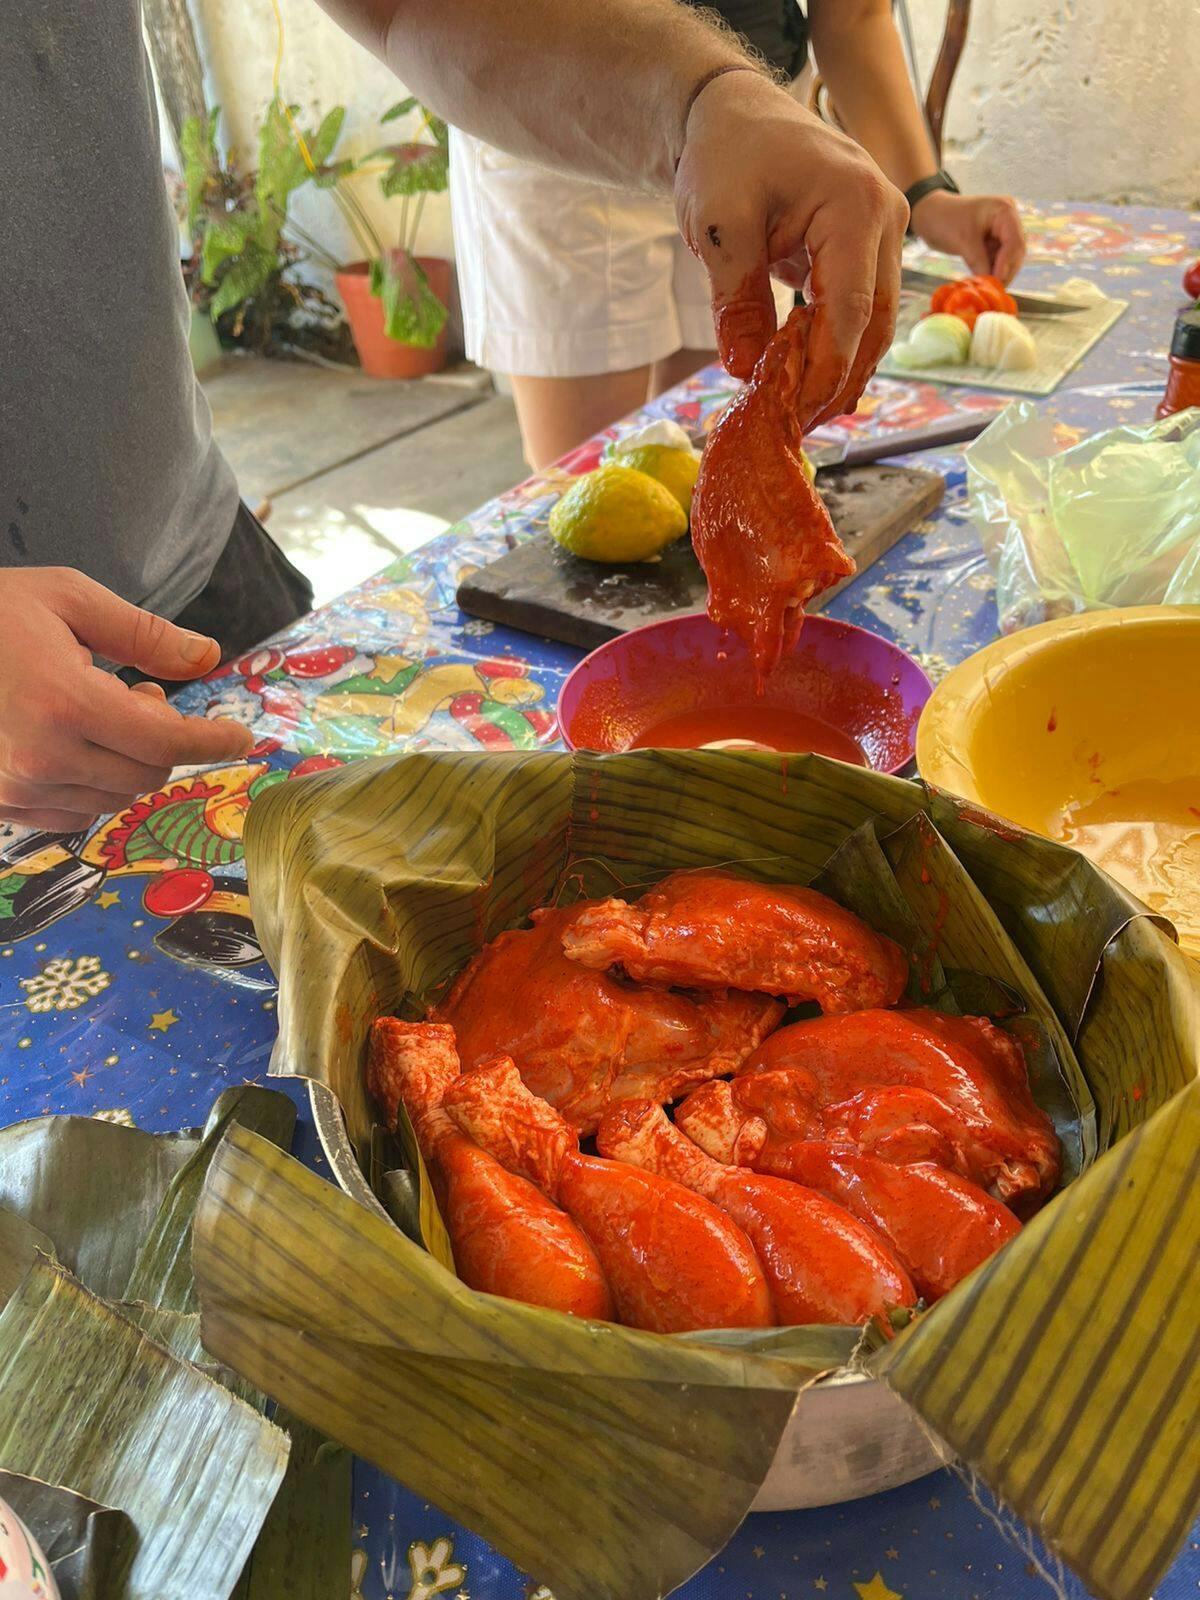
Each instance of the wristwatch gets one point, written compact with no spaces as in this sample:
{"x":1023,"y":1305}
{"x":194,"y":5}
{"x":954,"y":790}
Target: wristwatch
{"x":923,"y":186}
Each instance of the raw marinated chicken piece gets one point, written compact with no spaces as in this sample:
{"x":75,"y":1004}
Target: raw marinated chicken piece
{"x":821,"y":1263}
{"x":582,"y":1039}
{"x":674,"y":1261}
{"x":760,"y":530}
{"x":712,"y":930}
{"x":1000,"y":1137}
{"x":507,"y":1238}
{"x":939,"y":1225}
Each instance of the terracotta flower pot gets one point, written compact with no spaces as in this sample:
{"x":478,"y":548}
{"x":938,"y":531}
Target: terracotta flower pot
{"x":382,"y":357}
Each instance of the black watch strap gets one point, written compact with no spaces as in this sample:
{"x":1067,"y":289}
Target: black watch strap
{"x":923,"y":186}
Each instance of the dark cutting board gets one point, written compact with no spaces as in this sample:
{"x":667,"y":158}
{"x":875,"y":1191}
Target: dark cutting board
{"x":538,"y":588}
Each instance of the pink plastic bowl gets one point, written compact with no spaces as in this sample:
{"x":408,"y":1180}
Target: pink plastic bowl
{"x":843,"y":677}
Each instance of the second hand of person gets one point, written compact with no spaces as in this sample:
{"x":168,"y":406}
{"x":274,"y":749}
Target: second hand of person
{"x":813,"y":208}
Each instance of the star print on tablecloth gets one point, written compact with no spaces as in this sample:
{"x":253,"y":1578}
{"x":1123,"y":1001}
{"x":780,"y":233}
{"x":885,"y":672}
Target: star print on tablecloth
{"x":876,"y":1589}
{"x":110,"y":897}
{"x":161,"y":1021}
{"x":819,"y":1583}
{"x":81,"y":1077}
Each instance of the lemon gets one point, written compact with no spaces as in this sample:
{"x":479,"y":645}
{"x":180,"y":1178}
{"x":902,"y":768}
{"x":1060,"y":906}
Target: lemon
{"x":675,"y":469}
{"x":617,"y":514}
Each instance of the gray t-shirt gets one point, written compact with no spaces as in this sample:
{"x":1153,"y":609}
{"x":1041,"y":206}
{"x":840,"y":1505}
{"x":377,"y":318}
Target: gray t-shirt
{"x":107,"y":461}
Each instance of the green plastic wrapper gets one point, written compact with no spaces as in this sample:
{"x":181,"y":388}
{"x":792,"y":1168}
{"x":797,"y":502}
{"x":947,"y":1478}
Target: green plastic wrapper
{"x":1112,"y":520}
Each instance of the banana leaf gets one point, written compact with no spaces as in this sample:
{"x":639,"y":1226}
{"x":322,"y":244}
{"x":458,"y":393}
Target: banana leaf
{"x":117,"y":1201}
{"x":162,"y":1273}
{"x":510,"y":1420}
{"x":303,"y":1551}
{"x":371,"y":887}
{"x":118,"y":1205}
{"x":87,"y":1400}
{"x":20,"y":1244}
{"x":88,"y":1545}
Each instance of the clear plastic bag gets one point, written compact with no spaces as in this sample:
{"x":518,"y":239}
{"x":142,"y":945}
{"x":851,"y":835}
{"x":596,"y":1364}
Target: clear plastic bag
{"x":1113,"y":520}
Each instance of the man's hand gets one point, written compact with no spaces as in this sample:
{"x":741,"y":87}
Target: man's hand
{"x":74,"y":740}
{"x":984,"y":229}
{"x":764,"y":183}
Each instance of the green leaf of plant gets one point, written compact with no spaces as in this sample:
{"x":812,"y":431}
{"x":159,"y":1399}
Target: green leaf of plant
{"x":415,"y":169}
{"x":198,"y":147}
{"x":223,"y":238}
{"x":321,"y":143}
{"x":281,"y":170}
{"x":86,"y":1397}
{"x":244,"y":278}
{"x":438,"y":129}
{"x":332,"y":172}
{"x":400,"y":109}
{"x":412,"y":313}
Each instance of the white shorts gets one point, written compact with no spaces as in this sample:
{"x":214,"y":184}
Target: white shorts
{"x":561,"y":278}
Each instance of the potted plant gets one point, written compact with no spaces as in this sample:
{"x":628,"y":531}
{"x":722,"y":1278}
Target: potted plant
{"x":396,"y":300}
{"x":242,"y":275}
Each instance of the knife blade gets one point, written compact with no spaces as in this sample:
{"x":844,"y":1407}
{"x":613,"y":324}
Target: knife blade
{"x":1032,"y":305}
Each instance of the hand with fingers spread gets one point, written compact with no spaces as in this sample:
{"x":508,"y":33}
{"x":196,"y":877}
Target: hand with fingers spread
{"x":984,"y":229}
{"x":763,"y":187}
{"x":75,"y":741}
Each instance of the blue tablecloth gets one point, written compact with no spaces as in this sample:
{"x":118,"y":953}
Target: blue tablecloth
{"x":133,"y":988}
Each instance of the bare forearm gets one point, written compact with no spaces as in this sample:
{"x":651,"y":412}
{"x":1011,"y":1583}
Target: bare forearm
{"x":601,"y":90}
{"x":859,"y":56}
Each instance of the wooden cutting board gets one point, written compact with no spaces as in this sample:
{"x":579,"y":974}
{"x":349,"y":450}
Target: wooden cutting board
{"x":540,"y":589}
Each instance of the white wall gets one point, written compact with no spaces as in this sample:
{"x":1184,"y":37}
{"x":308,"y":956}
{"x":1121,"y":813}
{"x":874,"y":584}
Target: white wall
{"x":1054,"y":99}
{"x":322,"y":67}
{"x":1073,"y":99}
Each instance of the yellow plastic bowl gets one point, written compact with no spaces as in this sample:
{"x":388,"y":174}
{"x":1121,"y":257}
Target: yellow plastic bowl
{"x":1087,"y":730}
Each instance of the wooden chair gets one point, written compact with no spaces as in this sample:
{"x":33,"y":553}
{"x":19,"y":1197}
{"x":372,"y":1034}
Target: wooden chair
{"x":954,"y":38}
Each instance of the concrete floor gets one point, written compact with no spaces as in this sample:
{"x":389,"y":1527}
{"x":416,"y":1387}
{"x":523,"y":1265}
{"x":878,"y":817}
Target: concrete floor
{"x":357,"y":470}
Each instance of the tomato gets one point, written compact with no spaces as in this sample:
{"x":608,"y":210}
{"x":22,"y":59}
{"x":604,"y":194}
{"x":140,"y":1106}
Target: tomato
{"x":995,"y":293}
{"x":967,"y":297}
{"x":1191,"y":281}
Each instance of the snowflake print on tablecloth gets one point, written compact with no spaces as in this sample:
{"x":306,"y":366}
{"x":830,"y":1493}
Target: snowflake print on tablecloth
{"x":118,"y":1114}
{"x":477,"y":628}
{"x":434,"y":1570}
{"x":64,"y":985}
